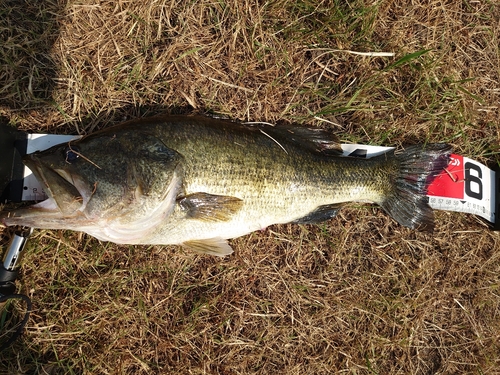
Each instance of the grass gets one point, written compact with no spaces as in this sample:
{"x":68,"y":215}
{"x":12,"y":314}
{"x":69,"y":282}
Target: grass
{"x":358,"y":294}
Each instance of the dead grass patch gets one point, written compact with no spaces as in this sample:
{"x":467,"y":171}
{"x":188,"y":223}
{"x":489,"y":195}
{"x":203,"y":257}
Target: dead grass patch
{"x":358,"y":294}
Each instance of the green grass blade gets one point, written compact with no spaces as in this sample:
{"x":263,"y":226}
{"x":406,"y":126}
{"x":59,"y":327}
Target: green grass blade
{"x":407,"y":58}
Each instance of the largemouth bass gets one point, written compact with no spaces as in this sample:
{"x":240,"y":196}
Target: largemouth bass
{"x":196,"y":181}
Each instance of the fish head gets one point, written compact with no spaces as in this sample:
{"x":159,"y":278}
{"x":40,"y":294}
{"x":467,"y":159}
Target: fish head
{"x":115,"y":179}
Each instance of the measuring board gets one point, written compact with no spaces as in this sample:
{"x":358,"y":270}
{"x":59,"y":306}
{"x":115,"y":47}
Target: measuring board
{"x":464,"y":186}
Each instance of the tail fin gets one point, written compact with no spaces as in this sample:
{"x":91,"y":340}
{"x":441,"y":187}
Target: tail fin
{"x":418,"y":166}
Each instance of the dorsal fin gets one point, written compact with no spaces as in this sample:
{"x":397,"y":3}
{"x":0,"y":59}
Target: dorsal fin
{"x":313,"y":139}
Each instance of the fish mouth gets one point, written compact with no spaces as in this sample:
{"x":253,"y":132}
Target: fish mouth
{"x":63,"y":195}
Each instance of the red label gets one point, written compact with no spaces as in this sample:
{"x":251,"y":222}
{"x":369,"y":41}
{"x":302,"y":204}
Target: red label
{"x":450,"y":182}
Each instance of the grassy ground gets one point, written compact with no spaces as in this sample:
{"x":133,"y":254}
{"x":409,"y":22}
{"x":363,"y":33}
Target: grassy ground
{"x":358,"y":294}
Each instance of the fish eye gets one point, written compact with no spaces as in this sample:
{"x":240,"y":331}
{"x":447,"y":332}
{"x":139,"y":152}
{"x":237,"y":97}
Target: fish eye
{"x":71,"y":153}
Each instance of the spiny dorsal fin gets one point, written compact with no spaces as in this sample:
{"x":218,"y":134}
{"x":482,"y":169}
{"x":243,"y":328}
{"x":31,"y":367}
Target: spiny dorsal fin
{"x":209,"y":207}
{"x":212,"y":246}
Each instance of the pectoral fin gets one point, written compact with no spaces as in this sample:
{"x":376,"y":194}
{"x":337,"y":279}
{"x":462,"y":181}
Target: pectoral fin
{"x":209,"y":207}
{"x":212,"y":246}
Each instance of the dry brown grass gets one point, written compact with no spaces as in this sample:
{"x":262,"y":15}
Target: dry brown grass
{"x":358,"y":294}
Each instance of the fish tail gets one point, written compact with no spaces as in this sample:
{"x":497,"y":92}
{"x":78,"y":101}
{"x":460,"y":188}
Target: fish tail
{"x":418,"y":166}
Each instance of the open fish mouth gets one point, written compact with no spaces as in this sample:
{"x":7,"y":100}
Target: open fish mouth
{"x":65,"y":195}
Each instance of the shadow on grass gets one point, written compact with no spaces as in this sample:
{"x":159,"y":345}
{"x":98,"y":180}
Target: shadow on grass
{"x":28,"y":30}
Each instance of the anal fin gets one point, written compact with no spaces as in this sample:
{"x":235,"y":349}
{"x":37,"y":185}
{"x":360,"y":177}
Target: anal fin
{"x":213,"y":246}
{"x":320,"y":214}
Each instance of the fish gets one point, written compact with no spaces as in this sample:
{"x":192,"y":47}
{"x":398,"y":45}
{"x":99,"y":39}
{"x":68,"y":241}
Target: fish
{"x":198,"y":181}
